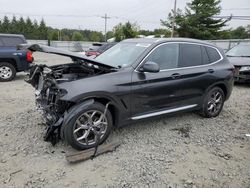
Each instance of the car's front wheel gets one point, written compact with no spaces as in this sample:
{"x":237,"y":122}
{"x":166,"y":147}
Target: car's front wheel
{"x":89,"y":127}
{"x":213,"y":102}
{"x":7,"y":72}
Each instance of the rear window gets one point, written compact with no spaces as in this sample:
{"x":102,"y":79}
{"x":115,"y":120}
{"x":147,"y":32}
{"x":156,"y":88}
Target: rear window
{"x":12,"y":41}
{"x":213,"y":54}
{"x":190,"y":55}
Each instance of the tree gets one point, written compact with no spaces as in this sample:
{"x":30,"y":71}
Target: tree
{"x":130,"y":30}
{"x":125,"y":31}
{"x":21,"y":26}
{"x":53,"y":34}
{"x":77,"y":36}
{"x":43,"y":30}
{"x":28,"y":28}
{"x":13,"y":25}
{"x":95,"y":37}
{"x":199,"y":20}
{"x":110,"y":34}
{"x":118,"y":32}
{"x":5,"y":25}
{"x":239,"y":33}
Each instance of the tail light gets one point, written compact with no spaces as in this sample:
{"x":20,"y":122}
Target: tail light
{"x":91,"y":53}
{"x":29,"y":56}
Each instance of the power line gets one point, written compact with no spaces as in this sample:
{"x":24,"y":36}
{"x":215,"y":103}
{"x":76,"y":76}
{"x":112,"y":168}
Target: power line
{"x":235,"y":9}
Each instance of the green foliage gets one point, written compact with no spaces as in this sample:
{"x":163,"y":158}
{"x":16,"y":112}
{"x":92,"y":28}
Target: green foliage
{"x":240,"y":33}
{"x":198,"y":20}
{"x":40,"y":31}
{"x":77,"y":36}
{"x":30,"y":29}
{"x":96,"y":36}
{"x":124,"y":31}
{"x":156,"y":32}
{"x":53,"y":34}
{"x":110,"y":34}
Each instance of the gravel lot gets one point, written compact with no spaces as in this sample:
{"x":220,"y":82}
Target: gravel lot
{"x":185,"y":150}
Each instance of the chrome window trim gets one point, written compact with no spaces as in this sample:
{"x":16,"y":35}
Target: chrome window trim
{"x":198,"y":66}
{"x":164,"y":112}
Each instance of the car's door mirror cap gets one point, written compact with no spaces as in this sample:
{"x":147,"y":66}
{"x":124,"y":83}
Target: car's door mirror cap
{"x":150,"y":66}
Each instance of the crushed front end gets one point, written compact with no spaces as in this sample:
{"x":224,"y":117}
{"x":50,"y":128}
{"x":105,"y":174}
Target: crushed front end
{"x":242,"y":74}
{"x":47,"y":95}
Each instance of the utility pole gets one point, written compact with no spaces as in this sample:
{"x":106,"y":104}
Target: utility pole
{"x":173,"y":22}
{"x":105,"y":31}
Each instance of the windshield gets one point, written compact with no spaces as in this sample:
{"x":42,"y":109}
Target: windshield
{"x":122,"y":54}
{"x":239,"y":51}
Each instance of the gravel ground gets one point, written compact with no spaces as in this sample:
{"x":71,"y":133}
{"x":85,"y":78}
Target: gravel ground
{"x":184,"y":150}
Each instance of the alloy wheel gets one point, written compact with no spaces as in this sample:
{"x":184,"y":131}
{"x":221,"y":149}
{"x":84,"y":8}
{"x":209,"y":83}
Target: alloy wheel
{"x":215,"y":102}
{"x":86,"y":126}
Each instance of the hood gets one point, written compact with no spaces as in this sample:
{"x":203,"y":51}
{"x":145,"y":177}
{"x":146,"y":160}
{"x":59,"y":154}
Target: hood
{"x":239,"y":61}
{"x":72,"y":55}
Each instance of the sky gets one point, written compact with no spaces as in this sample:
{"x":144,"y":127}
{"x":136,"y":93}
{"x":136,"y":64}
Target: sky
{"x":83,"y":14}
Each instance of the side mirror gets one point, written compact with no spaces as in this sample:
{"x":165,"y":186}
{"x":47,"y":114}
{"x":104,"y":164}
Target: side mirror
{"x":150,"y":66}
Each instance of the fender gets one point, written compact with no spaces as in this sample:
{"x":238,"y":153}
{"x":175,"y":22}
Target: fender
{"x":68,"y":115}
{"x":219,"y":83}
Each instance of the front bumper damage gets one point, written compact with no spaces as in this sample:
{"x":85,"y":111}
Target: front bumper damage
{"x":48,"y":103}
{"x":241,"y":75}
{"x":52,"y":119}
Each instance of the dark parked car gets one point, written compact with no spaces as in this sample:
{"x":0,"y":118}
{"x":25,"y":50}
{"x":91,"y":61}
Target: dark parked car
{"x":97,"y":51}
{"x":239,"y":56}
{"x":13,"y":60}
{"x":135,"y":79}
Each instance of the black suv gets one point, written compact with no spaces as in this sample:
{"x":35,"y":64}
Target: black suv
{"x":133,"y":80}
{"x":12,"y":59}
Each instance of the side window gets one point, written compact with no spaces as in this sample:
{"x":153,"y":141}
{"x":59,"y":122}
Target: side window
{"x":12,"y":41}
{"x":190,"y":55}
{"x":213,"y":54}
{"x":166,"y":56}
{"x":1,"y":43}
{"x":205,"y":59}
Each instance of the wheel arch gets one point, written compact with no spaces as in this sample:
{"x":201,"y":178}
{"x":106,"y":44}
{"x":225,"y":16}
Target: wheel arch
{"x":112,"y":107}
{"x":9,"y":60}
{"x":220,"y":85}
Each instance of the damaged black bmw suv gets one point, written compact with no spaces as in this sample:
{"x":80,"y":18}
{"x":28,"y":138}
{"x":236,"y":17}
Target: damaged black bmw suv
{"x":133,"y":80}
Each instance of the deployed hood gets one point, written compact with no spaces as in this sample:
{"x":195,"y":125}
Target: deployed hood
{"x":72,"y":55}
{"x":239,"y":61}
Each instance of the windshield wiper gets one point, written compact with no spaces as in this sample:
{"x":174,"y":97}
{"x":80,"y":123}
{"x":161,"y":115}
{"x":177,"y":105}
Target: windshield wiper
{"x":238,"y":55}
{"x":245,"y":56}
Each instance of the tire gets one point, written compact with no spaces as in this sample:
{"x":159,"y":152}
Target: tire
{"x":80,"y":126}
{"x":7,"y":72}
{"x":213,"y":103}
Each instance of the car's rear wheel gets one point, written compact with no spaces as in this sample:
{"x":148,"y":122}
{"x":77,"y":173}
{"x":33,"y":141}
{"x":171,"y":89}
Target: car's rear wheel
{"x":85,"y":127}
{"x":7,"y":72}
{"x":213,"y":102}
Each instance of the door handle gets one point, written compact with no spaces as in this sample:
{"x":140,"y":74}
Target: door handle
{"x":210,"y":70}
{"x":175,"y":75}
